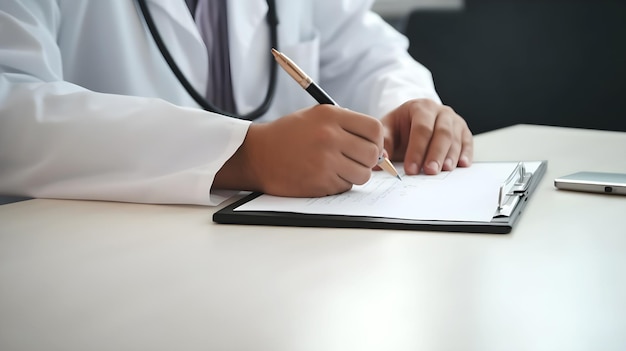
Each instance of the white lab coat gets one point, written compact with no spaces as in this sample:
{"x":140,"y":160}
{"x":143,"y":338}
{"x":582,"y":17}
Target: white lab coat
{"x":90,"y":110}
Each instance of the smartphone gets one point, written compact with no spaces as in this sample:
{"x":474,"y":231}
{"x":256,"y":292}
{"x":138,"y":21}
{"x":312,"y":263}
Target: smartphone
{"x":596,"y":182}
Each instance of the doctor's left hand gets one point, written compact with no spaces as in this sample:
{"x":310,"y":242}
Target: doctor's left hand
{"x":427,"y":136}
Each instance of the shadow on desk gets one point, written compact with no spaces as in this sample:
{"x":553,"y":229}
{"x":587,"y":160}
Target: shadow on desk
{"x":503,"y":62}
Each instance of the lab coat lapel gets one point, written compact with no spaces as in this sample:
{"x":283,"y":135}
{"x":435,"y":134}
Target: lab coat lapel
{"x":249,"y":52}
{"x":249,"y":47}
{"x":182,"y":38}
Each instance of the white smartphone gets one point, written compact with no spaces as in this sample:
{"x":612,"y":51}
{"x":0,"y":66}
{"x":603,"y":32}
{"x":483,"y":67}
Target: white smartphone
{"x":596,"y":182}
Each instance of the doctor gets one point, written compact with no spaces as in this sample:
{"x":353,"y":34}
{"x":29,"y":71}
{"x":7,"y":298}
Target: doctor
{"x":89,"y":108}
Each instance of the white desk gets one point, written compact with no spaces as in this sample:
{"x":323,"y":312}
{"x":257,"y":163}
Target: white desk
{"x":108,"y":276}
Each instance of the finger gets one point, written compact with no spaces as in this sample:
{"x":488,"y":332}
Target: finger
{"x":353,"y":172}
{"x":330,"y":186}
{"x":351,"y":158}
{"x":441,"y":142}
{"x":421,"y":131}
{"x":361,"y":125}
{"x":454,"y":154}
{"x":341,"y":185}
{"x":452,"y":158}
{"x":360,"y":150}
{"x":467,"y":148}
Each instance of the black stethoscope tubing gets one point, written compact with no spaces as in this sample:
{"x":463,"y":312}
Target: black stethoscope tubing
{"x":272,"y":20}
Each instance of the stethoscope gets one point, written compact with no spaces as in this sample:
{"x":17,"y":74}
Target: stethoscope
{"x":272,"y":20}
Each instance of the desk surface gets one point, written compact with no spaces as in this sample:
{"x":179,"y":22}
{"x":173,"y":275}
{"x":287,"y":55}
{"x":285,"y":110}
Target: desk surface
{"x":79,"y":275}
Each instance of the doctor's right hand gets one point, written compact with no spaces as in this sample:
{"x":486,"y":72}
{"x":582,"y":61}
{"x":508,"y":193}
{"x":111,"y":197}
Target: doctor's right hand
{"x":318,"y":151}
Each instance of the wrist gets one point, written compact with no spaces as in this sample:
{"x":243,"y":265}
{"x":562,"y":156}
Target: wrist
{"x":240,"y":171}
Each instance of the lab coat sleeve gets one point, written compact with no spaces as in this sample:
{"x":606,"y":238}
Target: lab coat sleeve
{"x":59,"y":140}
{"x":364,"y":61}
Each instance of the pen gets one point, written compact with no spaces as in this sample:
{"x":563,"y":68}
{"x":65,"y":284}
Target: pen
{"x":320,"y":96}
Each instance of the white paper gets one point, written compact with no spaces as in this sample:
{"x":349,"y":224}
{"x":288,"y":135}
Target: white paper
{"x":465,"y":194}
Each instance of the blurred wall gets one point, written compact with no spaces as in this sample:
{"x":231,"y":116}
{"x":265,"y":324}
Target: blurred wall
{"x":396,"y":11}
{"x":399,"y":8}
{"x":504,"y":62}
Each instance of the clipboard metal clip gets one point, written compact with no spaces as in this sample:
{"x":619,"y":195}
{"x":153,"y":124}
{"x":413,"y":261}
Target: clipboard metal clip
{"x":514,"y":187}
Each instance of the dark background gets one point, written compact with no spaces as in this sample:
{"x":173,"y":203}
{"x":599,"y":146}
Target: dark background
{"x":499,"y":63}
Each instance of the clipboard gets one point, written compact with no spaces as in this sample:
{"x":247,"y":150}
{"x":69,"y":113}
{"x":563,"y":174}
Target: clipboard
{"x":513,"y":195}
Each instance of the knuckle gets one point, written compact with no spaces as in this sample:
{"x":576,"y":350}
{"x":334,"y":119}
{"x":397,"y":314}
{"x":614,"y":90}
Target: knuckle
{"x":445,"y":133}
{"x":324,"y":109}
{"x":448,"y":110}
{"x":374,"y":127}
{"x":325,"y":135}
{"x":377,"y":125}
{"x":423,"y":104}
{"x":423,"y":128}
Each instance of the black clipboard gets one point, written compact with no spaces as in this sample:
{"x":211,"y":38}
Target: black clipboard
{"x":515,"y":193}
